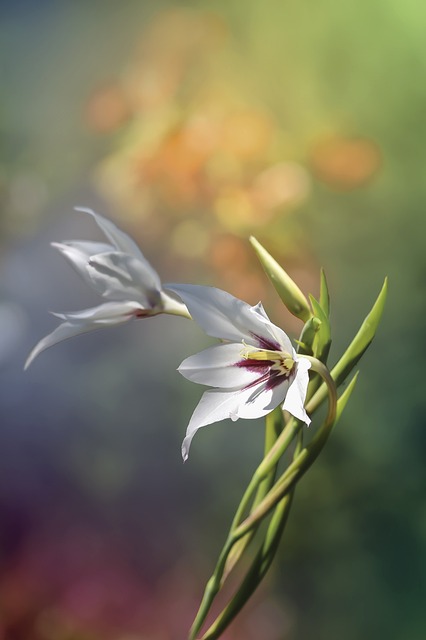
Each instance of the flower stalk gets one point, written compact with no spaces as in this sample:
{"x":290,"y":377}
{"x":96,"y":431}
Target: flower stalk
{"x":301,"y":462}
{"x":253,"y":372}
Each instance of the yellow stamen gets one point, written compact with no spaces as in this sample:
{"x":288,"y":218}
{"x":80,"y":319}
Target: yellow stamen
{"x":284,"y":361}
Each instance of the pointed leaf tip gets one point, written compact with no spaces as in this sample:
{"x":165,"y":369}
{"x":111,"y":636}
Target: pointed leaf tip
{"x":363,"y":338}
{"x":323,"y":336}
{"x":324,"y":298}
{"x":343,"y":400}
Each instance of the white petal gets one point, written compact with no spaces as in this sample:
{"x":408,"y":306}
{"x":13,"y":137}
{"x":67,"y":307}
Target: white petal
{"x":81,"y":249}
{"x":260,"y":309}
{"x":223,"y":316}
{"x":120,"y":240}
{"x":294,"y":401}
{"x":80,"y":322}
{"x":171,"y":303}
{"x":119,"y":276}
{"x":78,"y":254}
{"x":216,"y":405}
{"x":218,"y":367}
{"x":277,"y":334}
{"x":106,"y":313}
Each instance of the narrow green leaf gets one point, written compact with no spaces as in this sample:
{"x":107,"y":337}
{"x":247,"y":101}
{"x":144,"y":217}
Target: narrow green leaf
{"x":286,"y":288}
{"x":355,"y":350}
{"x":343,"y":400}
{"x":323,"y":337}
{"x":362,"y":339}
{"x":324,"y":297}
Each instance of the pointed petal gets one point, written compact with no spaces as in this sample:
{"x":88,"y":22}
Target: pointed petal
{"x":260,"y":309}
{"x":107,"y":313}
{"x":78,"y":254}
{"x":119,"y":239}
{"x":81,"y":248}
{"x":278,"y":334}
{"x":221,"y":366}
{"x":294,"y":401}
{"x":120,"y":276}
{"x":63,"y":332}
{"x":216,"y":405}
{"x":80,"y":322}
{"x":223,"y":316}
{"x":275,"y":332}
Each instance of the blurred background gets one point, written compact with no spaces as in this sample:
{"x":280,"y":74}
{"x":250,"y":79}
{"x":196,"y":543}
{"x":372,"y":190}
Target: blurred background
{"x":194,"y":125}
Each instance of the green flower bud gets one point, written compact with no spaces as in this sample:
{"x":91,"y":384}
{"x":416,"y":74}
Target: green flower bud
{"x":307,"y":337}
{"x":286,"y":288}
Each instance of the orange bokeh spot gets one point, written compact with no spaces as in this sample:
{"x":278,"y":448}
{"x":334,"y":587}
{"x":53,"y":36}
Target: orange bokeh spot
{"x":106,"y":109}
{"x":345,"y":163}
{"x":283,"y":184}
{"x":228,"y":252}
{"x":246,"y":133}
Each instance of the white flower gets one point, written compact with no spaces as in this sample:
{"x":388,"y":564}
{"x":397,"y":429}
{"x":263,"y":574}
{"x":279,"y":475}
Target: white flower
{"x":254,"y":371}
{"x":120,"y":274}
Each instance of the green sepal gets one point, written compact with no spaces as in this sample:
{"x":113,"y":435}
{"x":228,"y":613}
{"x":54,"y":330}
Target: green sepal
{"x":323,"y":336}
{"x":324,"y":297}
{"x":286,"y":288}
{"x":343,"y":400}
{"x":307,"y":337}
{"x":362,"y":339}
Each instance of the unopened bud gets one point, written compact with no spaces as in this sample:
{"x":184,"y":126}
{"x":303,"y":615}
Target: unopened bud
{"x":286,"y":288}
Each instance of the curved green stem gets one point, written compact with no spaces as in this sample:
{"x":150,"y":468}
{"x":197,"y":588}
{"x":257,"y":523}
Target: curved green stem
{"x":273,"y":427}
{"x":215,"y":582}
{"x":294,"y":472}
{"x":302,"y":462}
{"x":260,"y":564}
{"x":257,"y":571}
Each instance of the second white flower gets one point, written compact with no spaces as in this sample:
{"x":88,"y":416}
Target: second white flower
{"x":252,"y":373}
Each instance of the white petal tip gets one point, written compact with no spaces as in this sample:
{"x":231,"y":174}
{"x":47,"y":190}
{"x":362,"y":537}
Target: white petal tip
{"x":60,"y":246}
{"x":185,"y":448}
{"x":85,"y":210}
{"x":34,"y":353}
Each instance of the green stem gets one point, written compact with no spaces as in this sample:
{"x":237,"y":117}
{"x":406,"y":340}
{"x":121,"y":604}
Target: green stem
{"x":289,"y":478}
{"x":257,"y":571}
{"x":260,"y":565}
{"x":216,"y":580}
{"x":273,"y":427}
{"x":302,"y":462}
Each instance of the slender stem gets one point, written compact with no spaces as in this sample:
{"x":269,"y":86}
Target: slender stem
{"x":273,"y":427}
{"x":216,"y":580}
{"x":303,"y":461}
{"x":272,"y":457}
{"x":256,"y":572}
{"x":286,"y":482}
{"x":260,"y":565}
